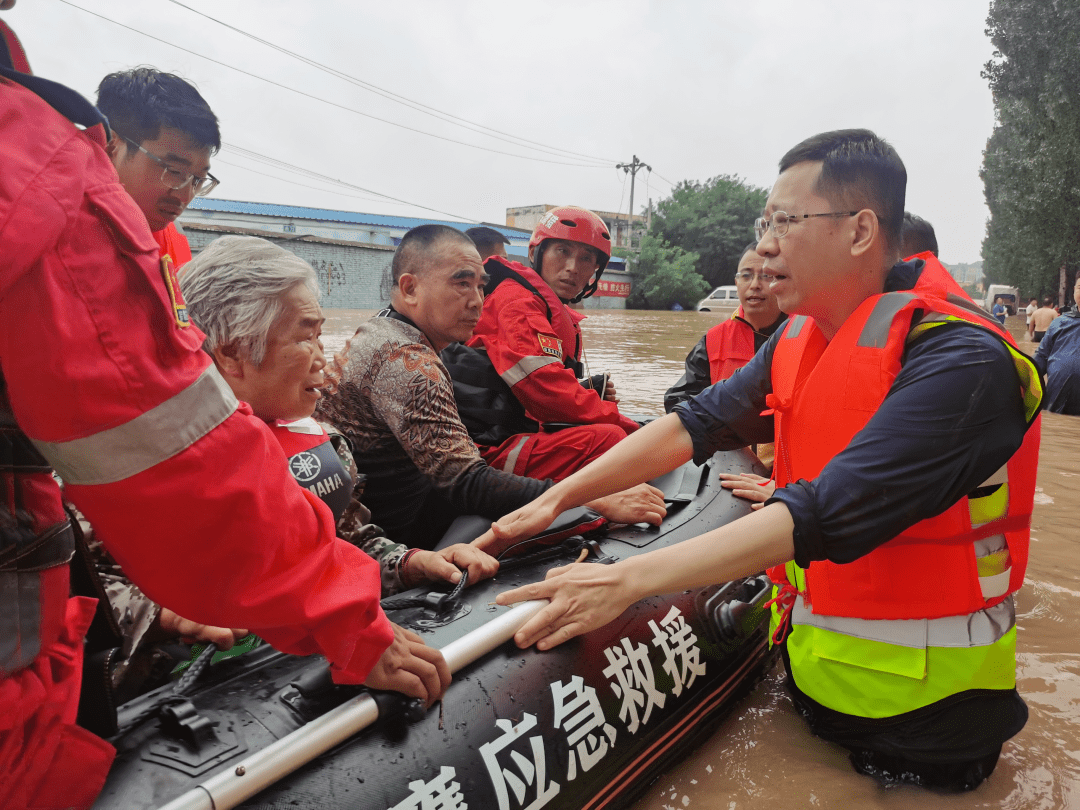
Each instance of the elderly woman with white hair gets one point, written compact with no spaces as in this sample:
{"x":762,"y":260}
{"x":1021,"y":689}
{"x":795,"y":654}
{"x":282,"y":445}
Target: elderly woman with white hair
{"x":258,"y":306}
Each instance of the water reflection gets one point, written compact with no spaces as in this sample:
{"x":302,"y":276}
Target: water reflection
{"x":763,"y":753}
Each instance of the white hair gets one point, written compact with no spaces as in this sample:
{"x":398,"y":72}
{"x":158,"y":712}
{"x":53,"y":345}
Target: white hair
{"x":234,"y":287}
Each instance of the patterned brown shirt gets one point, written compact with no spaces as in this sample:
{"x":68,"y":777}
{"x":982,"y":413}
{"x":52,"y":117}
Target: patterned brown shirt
{"x":395,"y":403}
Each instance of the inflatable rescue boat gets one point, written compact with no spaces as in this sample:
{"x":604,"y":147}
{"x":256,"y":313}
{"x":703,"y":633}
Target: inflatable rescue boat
{"x":589,"y":724}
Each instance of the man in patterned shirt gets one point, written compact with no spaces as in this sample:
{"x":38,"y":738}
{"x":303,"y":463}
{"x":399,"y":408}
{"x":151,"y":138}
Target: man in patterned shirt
{"x":392,"y":397}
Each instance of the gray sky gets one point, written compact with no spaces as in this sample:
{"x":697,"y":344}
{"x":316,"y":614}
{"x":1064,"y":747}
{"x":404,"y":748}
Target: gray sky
{"x":695,"y":89}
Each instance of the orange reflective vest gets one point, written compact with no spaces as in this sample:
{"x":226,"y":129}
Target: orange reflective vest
{"x":940,"y":566}
{"x":730,"y":346}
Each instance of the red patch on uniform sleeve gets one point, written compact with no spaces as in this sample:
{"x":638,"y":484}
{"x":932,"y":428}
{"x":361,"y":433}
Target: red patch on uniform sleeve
{"x":172,"y":285}
{"x":549,"y":344}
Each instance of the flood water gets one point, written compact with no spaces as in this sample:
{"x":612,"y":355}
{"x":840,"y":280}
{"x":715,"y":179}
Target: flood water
{"x":763,"y":755}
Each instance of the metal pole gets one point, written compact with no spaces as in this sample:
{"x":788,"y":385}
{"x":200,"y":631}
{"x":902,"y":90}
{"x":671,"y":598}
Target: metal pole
{"x":242,"y":780}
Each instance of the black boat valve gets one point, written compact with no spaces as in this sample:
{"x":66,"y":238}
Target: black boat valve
{"x":597,"y":552}
{"x":182,"y":722}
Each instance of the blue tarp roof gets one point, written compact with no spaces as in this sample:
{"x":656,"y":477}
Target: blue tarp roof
{"x":325,"y":214}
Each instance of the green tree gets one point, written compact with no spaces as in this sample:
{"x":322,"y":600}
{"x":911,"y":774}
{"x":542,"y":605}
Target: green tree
{"x":664,"y":275}
{"x":714,"y":219}
{"x":1031,"y":167}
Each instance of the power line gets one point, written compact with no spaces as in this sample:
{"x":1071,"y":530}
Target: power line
{"x":332,"y":103}
{"x":663,"y":178}
{"x":292,"y":182}
{"x":426,"y":109}
{"x":290,"y":167}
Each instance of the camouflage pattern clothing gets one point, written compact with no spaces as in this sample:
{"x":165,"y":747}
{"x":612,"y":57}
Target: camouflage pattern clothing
{"x":395,"y":402}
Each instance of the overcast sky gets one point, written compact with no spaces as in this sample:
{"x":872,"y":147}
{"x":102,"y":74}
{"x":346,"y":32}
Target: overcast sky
{"x":695,"y":89}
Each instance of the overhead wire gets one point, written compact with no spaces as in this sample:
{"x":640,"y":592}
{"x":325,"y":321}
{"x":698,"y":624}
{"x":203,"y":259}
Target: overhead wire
{"x":289,"y":167}
{"x":373,"y":88}
{"x":579,"y":165}
{"x":419,"y":106}
{"x":664,"y":179}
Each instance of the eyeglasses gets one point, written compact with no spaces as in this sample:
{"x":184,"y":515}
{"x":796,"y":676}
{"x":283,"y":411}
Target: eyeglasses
{"x":175,"y":178}
{"x":746,"y":277}
{"x":780,"y":220}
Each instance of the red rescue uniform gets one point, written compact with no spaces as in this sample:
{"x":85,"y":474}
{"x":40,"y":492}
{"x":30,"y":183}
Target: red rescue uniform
{"x":531,"y":339}
{"x":183,"y":486}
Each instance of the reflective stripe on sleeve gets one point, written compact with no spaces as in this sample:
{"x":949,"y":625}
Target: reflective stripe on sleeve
{"x":978,"y":629}
{"x":524,"y":367}
{"x":148,"y":439}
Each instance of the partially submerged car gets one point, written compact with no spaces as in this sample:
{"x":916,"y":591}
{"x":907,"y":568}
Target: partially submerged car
{"x":726,"y":297}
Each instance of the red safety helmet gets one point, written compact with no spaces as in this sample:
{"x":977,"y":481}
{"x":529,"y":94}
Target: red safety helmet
{"x":573,"y":224}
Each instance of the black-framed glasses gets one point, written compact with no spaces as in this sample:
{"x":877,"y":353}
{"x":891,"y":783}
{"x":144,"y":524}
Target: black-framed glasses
{"x":781,"y":220}
{"x":177,"y":178}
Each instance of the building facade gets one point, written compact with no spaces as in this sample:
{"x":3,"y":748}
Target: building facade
{"x":350,"y":251}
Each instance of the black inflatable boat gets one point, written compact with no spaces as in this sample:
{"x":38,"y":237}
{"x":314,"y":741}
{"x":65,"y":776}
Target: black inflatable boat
{"x":587,"y":725}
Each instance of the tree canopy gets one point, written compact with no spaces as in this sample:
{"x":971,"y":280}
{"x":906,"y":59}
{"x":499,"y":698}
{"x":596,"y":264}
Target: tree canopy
{"x":714,"y":219}
{"x":1031,"y":167}
{"x":695,"y":241}
{"x":665,"y":275}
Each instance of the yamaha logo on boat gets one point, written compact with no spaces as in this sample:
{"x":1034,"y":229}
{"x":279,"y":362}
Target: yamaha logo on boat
{"x":305,"y":467}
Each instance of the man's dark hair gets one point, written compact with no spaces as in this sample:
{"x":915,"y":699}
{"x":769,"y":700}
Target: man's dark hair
{"x":140,"y":101}
{"x":859,"y":170}
{"x":1048,"y":301}
{"x":415,"y":246}
{"x":918,"y":236}
{"x":484,"y":237}
{"x":751,"y":248}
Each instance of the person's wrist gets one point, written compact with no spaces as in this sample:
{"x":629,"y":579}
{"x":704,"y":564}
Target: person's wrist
{"x":635,"y":573}
{"x":558,"y":499}
{"x":403,"y":568}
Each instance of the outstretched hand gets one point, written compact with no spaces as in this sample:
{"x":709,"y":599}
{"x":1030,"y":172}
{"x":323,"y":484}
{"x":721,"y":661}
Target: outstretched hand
{"x":641,"y":504}
{"x":521,"y":524}
{"x":411,"y":667}
{"x":584,"y":596}
{"x":447,"y":564}
{"x":749,"y":486}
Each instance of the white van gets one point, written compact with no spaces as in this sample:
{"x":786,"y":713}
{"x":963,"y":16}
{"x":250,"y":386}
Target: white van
{"x":726,"y":297}
{"x":1010,"y":297}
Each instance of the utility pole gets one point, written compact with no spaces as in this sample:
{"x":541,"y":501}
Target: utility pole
{"x":632,"y":168}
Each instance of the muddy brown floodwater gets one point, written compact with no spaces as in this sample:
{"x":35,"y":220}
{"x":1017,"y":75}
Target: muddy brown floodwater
{"x":763,"y":755}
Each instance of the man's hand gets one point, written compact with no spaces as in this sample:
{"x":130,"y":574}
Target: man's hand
{"x":411,"y":667}
{"x":521,"y":524}
{"x":641,"y":504}
{"x":749,"y":486}
{"x":191,"y":632}
{"x":610,"y":394}
{"x":584,"y":596}
{"x":446,"y":564}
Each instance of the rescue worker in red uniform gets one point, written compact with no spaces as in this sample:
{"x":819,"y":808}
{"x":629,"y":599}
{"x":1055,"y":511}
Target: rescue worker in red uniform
{"x":163,"y":135}
{"x":899,"y":529}
{"x":550,"y":423}
{"x":103,"y":380}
